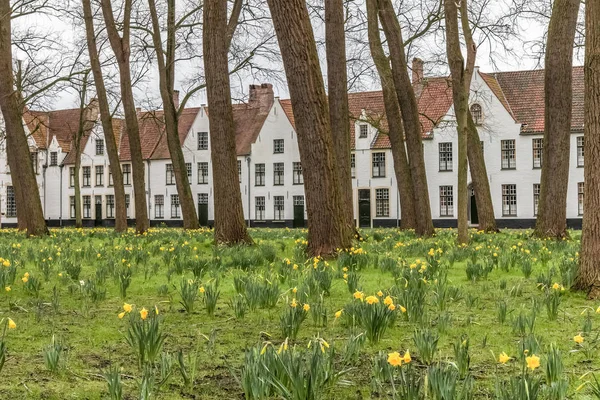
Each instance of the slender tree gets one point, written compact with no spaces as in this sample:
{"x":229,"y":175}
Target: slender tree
{"x":339,"y":114}
{"x":107,"y":121}
{"x":326,"y":225}
{"x":122,"y":48}
{"x":552,"y":208}
{"x":589,"y":269}
{"x":230,"y":227}
{"x":394,"y":120}
{"x":410,"y":116}
{"x":19,"y":159}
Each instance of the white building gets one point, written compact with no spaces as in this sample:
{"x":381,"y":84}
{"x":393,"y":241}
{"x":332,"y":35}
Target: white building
{"x":508,"y":108}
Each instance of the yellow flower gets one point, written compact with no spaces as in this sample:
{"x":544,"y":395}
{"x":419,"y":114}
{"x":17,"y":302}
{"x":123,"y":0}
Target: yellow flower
{"x":60,"y":274}
{"x":293,"y":303}
{"x":372,"y":300}
{"x":6,"y":263}
{"x":391,"y":307}
{"x":358,"y":295}
{"x":556,"y":286}
{"x":11,"y":324}
{"x":406,"y":357}
{"x":533,"y":362}
{"x":295,"y":290}
{"x":144,"y":313}
{"x":598,"y":310}
{"x":394,"y":359}
{"x":338,"y":314}
{"x":380,"y":293}
{"x":156,"y":310}
{"x":201,"y":290}
{"x":121,"y":315}
{"x":26,"y":275}
{"x":388,"y":300}
{"x":345,"y":276}
{"x":578,"y":339}
{"x":127,"y":307}
{"x":503,"y":358}
{"x":7,"y":288}
{"x":403,"y":309}
{"x":306,"y":307}
{"x":24,"y":279}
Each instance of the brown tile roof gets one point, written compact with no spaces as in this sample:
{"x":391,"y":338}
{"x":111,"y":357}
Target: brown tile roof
{"x":248,"y":121}
{"x":524,"y":91}
{"x":37,"y":124}
{"x":117,"y":125}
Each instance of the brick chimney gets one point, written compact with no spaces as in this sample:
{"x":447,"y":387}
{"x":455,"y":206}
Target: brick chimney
{"x":261,"y":96}
{"x":417,"y":70}
{"x":176,"y":99}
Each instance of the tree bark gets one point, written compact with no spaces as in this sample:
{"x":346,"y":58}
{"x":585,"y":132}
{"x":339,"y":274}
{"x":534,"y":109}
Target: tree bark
{"x":589,"y":267}
{"x":121,"y":48}
{"x":339,"y":114}
{"x":107,"y":123}
{"x":230,"y":226}
{"x":326,"y":226}
{"x":166,"y":73}
{"x":552,"y":208}
{"x":394,"y":120}
{"x":21,"y":169}
{"x":410,"y":117}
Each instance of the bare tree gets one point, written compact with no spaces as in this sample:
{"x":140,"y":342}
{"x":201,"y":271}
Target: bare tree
{"x":230,"y":226}
{"x":29,"y":205}
{"x":552,"y":208}
{"x":121,"y":48}
{"x":410,"y":116}
{"x":394,"y":120}
{"x":326,"y":226}
{"x":589,"y":268}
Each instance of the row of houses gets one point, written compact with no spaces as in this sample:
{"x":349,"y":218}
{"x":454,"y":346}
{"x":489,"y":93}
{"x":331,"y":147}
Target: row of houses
{"x":508,"y":108}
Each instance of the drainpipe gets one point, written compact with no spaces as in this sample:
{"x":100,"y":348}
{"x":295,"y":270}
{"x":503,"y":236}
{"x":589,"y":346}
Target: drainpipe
{"x":61,"y":195}
{"x":248,"y":162}
{"x":44,"y":168}
{"x":149,"y":194}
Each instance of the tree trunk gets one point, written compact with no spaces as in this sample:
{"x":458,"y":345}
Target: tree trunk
{"x":481,"y":184}
{"x":326,"y":225}
{"x":106,"y":118}
{"x":230,"y":227}
{"x":121,"y":48}
{"x":589,"y":268}
{"x":166,"y":72}
{"x":339,"y":114}
{"x":77,"y":187}
{"x":552,"y":208}
{"x":410,"y":117}
{"x":21,"y":169}
{"x":394,"y":120}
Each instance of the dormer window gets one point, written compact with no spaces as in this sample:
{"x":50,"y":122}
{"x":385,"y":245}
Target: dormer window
{"x":364,"y":130}
{"x":477,"y":114}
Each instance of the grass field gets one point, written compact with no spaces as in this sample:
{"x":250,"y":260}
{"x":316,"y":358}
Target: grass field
{"x":455,"y":309}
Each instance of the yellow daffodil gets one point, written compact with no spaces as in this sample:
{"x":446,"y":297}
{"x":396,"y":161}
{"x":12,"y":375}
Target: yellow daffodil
{"x":156,"y":310}
{"x":503,"y":358}
{"x":11,"y":324}
{"x":388,"y":300}
{"x":358,"y":295}
{"x":372,"y":300}
{"x":127,"y":307}
{"x":394,"y":359}
{"x":306,"y":307}
{"x":338,"y":314}
{"x":391,"y":307}
{"x":533,"y":362}
{"x":578,"y":339}
{"x":6,"y":263}
{"x":121,"y":315}
{"x":293,"y":303}
{"x":202,"y":290}
{"x":380,"y":293}
{"x":403,"y":309}
{"x":24,"y":279}
{"x":143,"y":313}
{"x":406,"y":357}
{"x":7,"y":288}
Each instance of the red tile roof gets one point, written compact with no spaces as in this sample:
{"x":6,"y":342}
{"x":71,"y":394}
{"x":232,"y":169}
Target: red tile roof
{"x":37,"y":124}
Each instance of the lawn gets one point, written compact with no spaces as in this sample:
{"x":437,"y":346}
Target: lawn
{"x":167,"y":315}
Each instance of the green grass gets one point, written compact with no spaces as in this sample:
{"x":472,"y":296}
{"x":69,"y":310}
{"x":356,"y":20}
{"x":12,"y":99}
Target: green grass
{"x":94,"y":337}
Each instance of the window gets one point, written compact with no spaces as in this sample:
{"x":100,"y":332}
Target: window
{"x":71,"y":176}
{"x":159,"y":206}
{"x":580,"y":192}
{"x":34,"y":161}
{"x":99,"y":147}
{"x":278,"y":201}
{"x":353,"y":165}
{"x":446,"y":201}
{"x":202,"y":173}
{"x":11,"y":204}
{"x":299,"y":200}
{"x":188,"y":168}
{"x":378,"y":165}
{"x":445,"y":156}
{"x":87,"y":206}
{"x":127,"y":202}
{"x":363,"y":131}
{"x":72,"y":206}
{"x":278,"y":146}
{"x":278,"y":174}
{"x":298,"y":177}
{"x":203,"y":198}
{"x":110,"y":177}
{"x":477,"y":114}
{"x":509,"y":160}
{"x":99,"y":175}
{"x":87,"y":176}
{"x":259,"y":175}
{"x":239,"y":163}
{"x":126,"y":174}
{"x":509,"y":200}
{"x":537,"y":145}
{"x":170,"y":174}
{"x":110,"y":206}
{"x":259,"y":204}
{"x":175,"y":206}
{"x":580,"y":143}
{"x":536,"y":198}
{"x":53,"y":158}
{"x":202,"y":140}
{"x":382,"y":202}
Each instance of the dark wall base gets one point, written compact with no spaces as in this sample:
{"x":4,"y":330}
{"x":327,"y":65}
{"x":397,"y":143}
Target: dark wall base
{"x":385,"y":223}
